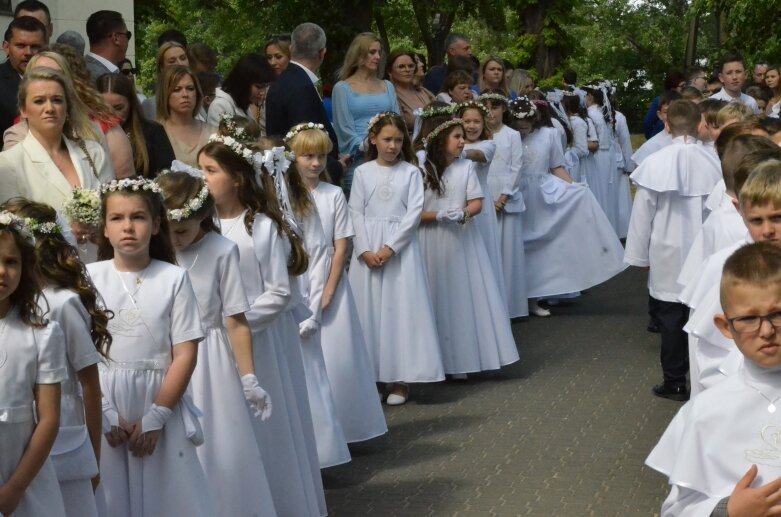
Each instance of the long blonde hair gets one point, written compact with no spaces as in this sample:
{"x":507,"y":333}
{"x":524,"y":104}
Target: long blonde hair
{"x":357,"y":53}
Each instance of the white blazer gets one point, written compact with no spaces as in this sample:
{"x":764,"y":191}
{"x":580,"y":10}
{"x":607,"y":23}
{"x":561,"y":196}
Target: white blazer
{"x":26,"y":170}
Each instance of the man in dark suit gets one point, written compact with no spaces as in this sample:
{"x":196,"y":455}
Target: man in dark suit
{"x":24,"y":38}
{"x":293,"y":98}
{"x":456,"y":45}
{"x":108,"y":41}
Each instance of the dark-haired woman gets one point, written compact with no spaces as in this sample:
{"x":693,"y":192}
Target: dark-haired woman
{"x":243,"y":92}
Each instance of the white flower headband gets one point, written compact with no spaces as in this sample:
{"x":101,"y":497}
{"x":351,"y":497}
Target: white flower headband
{"x":236,"y":146}
{"x":493,"y":97}
{"x":17,"y":224}
{"x":461,"y":107}
{"x":440,"y":128}
{"x":47,"y":228}
{"x":302,"y":127}
{"x":229,"y":122}
{"x":195,"y":204}
{"x":439,"y":111}
{"x":522,"y":108}
{"x":133,"y":185}
{"x":379,"y":116}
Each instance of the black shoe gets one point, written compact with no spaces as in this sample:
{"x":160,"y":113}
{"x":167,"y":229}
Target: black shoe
{"x":679,"y":393}
{"x":653,"y":327}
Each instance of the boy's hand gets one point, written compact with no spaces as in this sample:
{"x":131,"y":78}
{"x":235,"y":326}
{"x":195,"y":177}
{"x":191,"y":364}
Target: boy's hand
{"x":754,"y":502}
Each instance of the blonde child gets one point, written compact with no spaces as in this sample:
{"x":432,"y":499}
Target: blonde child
{"x":150,"y":466}
{"x":271,"y":254}
{"x":225,"y":371}
{"x":347,"y":361}
{"x":71,"y":301}
{"x":387,"y":271}
{"x":33,"y":366}
{"x":472,"y":321}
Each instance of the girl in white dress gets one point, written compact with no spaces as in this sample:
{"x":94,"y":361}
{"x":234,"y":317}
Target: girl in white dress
{"x":225,"y":372}
{"x":331,"y":442}
{"x":150,"y":466}
{"x":32,"y":366}
{"x":504,"y":183}
{"x":569,"y":243}
{"x":387,"y":271}
{"x":620,"y":192}
{"x":480,"y":149}
{"x":347,"y":361}
{"x":580,"y":147}
{"x":270,"y":254}
{"x":472,"y":321}
{"x":71,"y":301}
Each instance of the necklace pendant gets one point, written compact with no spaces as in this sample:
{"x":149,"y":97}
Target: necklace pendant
{"x":138,"y":281}
{"x":771,"y":408}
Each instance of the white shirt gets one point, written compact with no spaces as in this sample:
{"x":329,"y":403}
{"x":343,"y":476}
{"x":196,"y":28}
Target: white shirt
{"x":748,"y":100}
{"x":105,"y":62}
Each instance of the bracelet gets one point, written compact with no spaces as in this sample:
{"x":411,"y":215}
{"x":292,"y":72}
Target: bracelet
{"x":467,"y":217}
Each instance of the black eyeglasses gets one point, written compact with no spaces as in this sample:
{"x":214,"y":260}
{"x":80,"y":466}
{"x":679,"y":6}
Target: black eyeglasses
{"x":127,"y":34}
{"x":128,"y":71}
{"x":752,"y":324}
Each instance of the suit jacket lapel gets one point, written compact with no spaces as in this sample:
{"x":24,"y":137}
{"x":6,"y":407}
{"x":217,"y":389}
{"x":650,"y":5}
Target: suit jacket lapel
{"x":44,"y":165}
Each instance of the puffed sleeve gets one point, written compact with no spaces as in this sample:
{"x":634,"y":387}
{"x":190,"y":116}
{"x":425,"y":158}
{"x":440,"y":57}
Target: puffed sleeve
{"x":270,"y":253}
{"x":75,"y":322}
{"x":556,"y":155}
{"x":50,"y":343}
{"x":639,"y":236}
{"x":408,"y":227}
{"x":185,"y":316}
{"x":473,"y":189}
{"x":357,"y":206}
{"x":579,"y":137}
{"x":232,"y":294}
{"x":343,"y":226}
{"x":344,"y":122}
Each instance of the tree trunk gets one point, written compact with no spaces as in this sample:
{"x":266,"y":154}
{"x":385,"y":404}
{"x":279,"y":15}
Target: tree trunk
{"x":545,"y":59}
{"x":434,"y":27}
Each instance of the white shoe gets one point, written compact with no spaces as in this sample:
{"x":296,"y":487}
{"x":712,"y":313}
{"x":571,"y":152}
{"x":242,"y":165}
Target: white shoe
{"x":395,"y":400}
{"x":534,"y":308}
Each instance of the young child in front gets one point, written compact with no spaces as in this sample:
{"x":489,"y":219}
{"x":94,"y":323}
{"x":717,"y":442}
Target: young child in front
{"x":387,"y":272}
{"x":720,"y":452}
{"x":668,"y":211}
{"x":271,"y":254}
{"x":32,"y":366}
{"x":225,"y":372}
{"x":472,"y":321}
{"x":349,"y":368}
{"x":148,"y":463}
{"x":72,"y":301}
{"x":504,"y":184}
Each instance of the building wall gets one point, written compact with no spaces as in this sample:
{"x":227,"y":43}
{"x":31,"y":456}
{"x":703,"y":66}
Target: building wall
{"x":73,"y":14}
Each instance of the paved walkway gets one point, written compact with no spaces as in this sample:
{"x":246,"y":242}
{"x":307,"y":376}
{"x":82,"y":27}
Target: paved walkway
{"x":562,"y":433}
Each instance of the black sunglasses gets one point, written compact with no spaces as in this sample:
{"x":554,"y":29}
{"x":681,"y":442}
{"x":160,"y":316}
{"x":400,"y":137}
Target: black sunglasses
{"x":128,"y":71}
{"x":127,"y":34}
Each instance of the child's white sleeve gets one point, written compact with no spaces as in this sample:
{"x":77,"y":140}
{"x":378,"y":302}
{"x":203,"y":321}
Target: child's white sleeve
{"x":270,"y":254}
{"x":638,"y":238}
{"x":684,"y":502}
{"x":408,"y":228}
{"x":357,"y":205}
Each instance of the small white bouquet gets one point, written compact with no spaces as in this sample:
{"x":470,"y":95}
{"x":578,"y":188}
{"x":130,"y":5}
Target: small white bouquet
{"x":83,"y":207}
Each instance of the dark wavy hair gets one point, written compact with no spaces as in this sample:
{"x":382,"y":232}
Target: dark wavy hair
{"x":58,"y":263}
{"x":436,"y":161}
{"x":249,"y":69}
{"x":179,"y":188}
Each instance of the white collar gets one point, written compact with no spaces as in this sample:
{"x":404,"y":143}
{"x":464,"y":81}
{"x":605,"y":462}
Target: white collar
{"x":312,"y":76}
{"x":105,"y":62}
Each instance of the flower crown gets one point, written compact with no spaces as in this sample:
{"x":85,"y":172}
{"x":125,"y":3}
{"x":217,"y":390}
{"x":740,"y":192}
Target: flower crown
{"x":440,"y":128}
{"x":47,"y":228}
{"x":131,"y":184}
{"x":302,"y":127}
{"x":237,"y":147}
{"x":379,"y":116}
{"x":83,"y":206}
{"x":192,"y":206}
{"x":16,"y":224}
{"x":522,"y":108}
{"x":493,"y":97}
{"x":230,"y":124}
{"x":462,"y":107}
{"x":439,"y":111}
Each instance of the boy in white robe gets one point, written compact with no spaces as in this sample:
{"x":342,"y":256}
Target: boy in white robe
{"x":721,"y":452}
{"x":668,"y":211}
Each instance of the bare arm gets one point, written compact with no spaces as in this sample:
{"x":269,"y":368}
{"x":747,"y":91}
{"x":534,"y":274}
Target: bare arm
{"x":338,"y":263}
{"x":473,"y":207}
{"x":47,"y":400}
{"x":121,"y":153}
{"x":562,"y":173}
{"x":241,"y":341}
{"x":476,"y":155}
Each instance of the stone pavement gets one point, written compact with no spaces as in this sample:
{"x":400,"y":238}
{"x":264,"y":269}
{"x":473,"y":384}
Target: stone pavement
{"x":562,"y":433}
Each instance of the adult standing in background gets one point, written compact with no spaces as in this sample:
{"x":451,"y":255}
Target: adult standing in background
{"x":24,"y":38}
{"x":278,"y":52}
{"x":456,"y":44}
{"x":358,"y":96}
{"x":37,"y":10}
{"x":402,"y":68}
{"x":732,"y":74}
{"x":243,"y":92}
{"x":293,"y":98}
{"x":108,"y":41}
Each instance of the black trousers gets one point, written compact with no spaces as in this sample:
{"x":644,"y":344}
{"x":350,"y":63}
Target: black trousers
{"x":671,"y":318}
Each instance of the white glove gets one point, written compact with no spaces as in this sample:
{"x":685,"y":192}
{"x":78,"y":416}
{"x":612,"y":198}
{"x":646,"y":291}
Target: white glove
{"x":155,"y":418}
{"x":443,"y":216}
{"x":258,"y":399}
{"x":110,"y":416}
{"x":463,"y":155}
{"x":308,"y":327}
{"x":455,"y":215}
